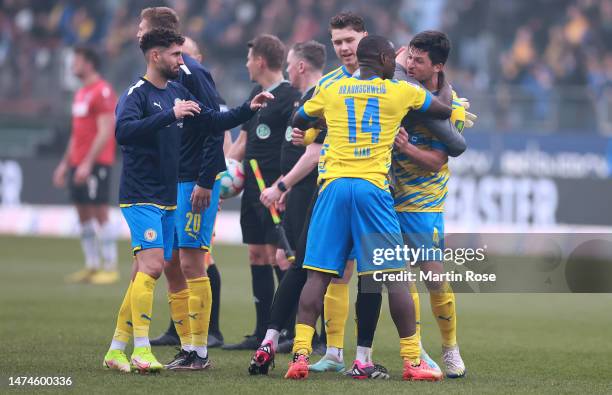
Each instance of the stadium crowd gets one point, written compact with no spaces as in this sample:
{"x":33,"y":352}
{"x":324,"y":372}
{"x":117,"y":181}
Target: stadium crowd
{"x":556,"y":51}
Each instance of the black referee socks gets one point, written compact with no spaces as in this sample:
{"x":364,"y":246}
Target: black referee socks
{"x":263,"y":292}
{"x":215,"y":287}
{"x":367,"y":306}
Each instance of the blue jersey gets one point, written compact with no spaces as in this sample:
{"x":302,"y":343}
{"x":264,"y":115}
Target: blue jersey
{"x":201,"y":156}
{"x":150,"y":136}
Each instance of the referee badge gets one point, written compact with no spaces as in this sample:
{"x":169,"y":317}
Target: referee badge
{"x":263,"y":131}
{"x":150,"y":235}
{"x":288,"y":134}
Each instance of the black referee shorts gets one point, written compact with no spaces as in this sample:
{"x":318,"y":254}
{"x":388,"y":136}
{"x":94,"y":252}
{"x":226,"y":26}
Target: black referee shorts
{"x":297,"y":205}
{"x":255,"y":220}
{"x":95,"y":190}
{"x":300,"y":248}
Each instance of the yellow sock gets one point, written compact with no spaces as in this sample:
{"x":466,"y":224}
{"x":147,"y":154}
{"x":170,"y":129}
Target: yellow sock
{"x":200,"y":304}
{"x":414,"y":292}
{"x":179,"y":311}
{"x":336,"y":308}
{"x":123,"y":330}
{"x":302,"y":344}
{"x":443,"y":307}
{"x":142,"y":303}
{"x":410,"y":349}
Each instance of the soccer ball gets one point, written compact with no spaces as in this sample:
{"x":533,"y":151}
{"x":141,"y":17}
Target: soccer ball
{"x":232,"y":179}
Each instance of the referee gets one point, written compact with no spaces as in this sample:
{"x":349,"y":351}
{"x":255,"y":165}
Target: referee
{"x":261,"y":138}
{"x":298,"y":187}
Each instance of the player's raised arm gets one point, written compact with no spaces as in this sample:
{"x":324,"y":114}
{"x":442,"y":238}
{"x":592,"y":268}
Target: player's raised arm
{"x":434,"y":107}
{"x":444,"y":130}
{"x":219,"y":121}
{"x":132,"y":125}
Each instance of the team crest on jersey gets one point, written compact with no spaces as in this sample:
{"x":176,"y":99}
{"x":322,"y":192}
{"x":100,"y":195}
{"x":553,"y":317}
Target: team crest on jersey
{"x":288,"y":133}
{"x":263,"y":131}
{"x":150,"y":235}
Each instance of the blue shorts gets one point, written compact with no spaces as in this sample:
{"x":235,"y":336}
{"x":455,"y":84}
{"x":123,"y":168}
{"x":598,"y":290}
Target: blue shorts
{"x":424,"y":230}
{"x":150,"y":227}
{"x":195,"y":230}
{"x":352,"y":213}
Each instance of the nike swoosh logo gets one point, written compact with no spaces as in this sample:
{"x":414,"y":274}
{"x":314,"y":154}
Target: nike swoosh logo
{"x":146,"y":317}
{"x":179,"y":322}
{"x":193,"y":316}
{"x":445,"y":318}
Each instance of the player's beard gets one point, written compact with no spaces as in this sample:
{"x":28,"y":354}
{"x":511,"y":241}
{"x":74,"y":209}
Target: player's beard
{"x":169,"y":74}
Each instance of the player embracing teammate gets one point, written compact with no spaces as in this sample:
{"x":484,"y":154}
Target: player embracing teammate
{"x":421,"y":173}
{"x":346,"y":30}
{"x":354,"y":209}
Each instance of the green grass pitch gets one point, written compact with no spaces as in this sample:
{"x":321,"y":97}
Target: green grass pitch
{"x":532,"y":343}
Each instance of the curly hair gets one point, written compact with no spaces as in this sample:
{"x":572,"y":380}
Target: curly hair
{"x":160,"y":38}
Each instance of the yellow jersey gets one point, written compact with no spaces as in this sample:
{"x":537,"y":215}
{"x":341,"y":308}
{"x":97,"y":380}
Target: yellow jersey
{"x":416,"y":189}
{"x":362,"y":118}
{"x":331,"y":77}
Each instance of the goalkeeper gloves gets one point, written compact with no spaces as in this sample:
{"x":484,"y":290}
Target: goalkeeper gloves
{"x":460,"y":117}
{"x":469,"y":117}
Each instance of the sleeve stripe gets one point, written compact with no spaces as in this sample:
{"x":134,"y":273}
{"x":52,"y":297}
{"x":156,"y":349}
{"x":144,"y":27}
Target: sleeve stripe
{"x":303,"y":114}
{"x":426,"y":103}
{"x":330,"y":75}
{"x":138,"y":84}
{"x":337,"y":78}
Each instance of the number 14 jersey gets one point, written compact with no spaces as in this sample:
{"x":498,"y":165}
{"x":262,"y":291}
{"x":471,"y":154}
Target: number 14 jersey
{"x":362,"y":118}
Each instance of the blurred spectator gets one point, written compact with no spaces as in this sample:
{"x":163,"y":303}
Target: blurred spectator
{"x":533,"y":51}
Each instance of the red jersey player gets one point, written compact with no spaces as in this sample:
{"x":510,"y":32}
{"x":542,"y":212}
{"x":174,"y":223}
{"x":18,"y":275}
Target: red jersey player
{"x":86,"y":165}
